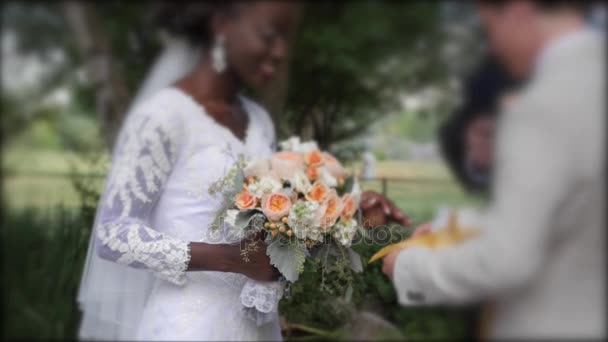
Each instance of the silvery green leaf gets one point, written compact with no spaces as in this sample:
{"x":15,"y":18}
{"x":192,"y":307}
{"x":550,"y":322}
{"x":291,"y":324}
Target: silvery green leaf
{"x":269,"y":239}
{"x":243,"y":218}
{"x":257,"y":221}
{"x":288,"y":257}
{"x":355,"y":261}
{"x":238,"y":182}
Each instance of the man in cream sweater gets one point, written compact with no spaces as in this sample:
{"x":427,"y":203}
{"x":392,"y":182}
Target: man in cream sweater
{"x":540,"y":258}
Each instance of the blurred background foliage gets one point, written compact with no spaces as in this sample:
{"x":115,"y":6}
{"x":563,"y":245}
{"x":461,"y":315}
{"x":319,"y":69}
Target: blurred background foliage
{"x":363,"y":75}
{"x":352,"y":62}
{"x":359,"y":56}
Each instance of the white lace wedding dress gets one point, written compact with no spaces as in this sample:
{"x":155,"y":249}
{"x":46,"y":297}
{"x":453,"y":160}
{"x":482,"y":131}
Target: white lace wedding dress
{"x":156,"y":201}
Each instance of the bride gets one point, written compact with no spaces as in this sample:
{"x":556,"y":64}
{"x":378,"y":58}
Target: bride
{"x":154,"y":270}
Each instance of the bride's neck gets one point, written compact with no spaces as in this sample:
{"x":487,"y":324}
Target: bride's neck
{"x":207,"y":85}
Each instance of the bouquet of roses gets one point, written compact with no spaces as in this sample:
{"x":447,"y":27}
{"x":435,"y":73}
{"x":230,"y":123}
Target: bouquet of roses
{"x":303,"y":199}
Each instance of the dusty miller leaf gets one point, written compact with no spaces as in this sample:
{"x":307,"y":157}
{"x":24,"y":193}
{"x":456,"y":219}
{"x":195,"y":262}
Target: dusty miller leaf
{"x":287,"y":257}
{"x":244,"y":218}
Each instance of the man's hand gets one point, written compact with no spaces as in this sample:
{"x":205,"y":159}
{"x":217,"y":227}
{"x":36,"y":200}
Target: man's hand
{"x":377,"y":210}
{"x":422,"y":229}
{"x":388,"y":263}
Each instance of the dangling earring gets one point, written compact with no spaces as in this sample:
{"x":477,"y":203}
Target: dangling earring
{"x":218,"y":54}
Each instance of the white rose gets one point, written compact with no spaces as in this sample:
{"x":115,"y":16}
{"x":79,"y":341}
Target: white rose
{"x":307,"y":146}
{"x":290,"y":144}
{"x":300,"y":182}
{"x":304,"y":221}
{"x":344,"y":232}
{"x":326,"y":178}
{"x":294,"y":144}
{"x":314,"y":233}
{"x":265,"y":185}
{"x":303,"y":213}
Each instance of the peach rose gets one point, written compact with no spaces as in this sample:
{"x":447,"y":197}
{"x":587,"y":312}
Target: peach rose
{"x":313,"y":158}
{"x":285,"y":164}
{"x":312,"y":172}
{"x":318,"y":192}
{"x":245,"y":200}
{"x":349,"y":207}
{"x":276,"y":206}
{"x":333,"y":166}
{"x":333,"y":210}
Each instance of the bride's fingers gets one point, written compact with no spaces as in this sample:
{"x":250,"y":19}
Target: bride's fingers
{"x":399,"y":216}
{"x":394,"y":213}
{"x":402,"y":220}
{"x":372,"y":199}
{"x":386,"y":207}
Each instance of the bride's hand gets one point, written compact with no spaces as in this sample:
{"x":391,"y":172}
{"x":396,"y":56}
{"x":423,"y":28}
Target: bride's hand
{"x":229,"y":258}
{"x":255,"y":264}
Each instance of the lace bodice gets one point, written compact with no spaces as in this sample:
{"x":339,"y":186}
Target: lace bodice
{"x":156,"y":200}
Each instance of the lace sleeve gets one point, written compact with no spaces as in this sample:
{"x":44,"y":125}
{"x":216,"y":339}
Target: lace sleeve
{"x":143,"y":159}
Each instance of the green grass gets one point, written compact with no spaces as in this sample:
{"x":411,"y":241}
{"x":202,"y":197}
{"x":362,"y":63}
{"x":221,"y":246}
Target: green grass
{"x":420,"y":199}
{"x":43,"y":255}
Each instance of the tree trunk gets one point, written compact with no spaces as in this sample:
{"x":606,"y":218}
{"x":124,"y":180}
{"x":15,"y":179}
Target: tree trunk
{"x":111,"y":93}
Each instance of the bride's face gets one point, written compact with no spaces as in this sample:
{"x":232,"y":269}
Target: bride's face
{"x":257,"y":39}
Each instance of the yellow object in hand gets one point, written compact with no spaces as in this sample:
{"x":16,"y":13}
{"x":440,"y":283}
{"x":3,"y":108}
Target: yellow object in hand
{"x":450,"y":235}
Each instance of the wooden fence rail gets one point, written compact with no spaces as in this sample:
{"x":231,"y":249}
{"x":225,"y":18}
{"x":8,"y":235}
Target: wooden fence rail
{"x":384,"y":181}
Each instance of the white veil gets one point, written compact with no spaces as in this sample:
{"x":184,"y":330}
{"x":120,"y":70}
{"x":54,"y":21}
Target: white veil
{"x":112,"y":296}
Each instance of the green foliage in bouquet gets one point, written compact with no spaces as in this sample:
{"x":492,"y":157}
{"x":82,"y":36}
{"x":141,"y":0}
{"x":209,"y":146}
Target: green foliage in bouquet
{"x":363,"y":305}
{"x":228,"y":186}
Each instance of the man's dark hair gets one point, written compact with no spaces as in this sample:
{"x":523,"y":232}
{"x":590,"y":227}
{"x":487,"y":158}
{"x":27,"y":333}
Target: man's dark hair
{"x":482,"y":93}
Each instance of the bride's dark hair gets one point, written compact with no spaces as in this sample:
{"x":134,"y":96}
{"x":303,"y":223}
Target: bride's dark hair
{"x":189,"y":19}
